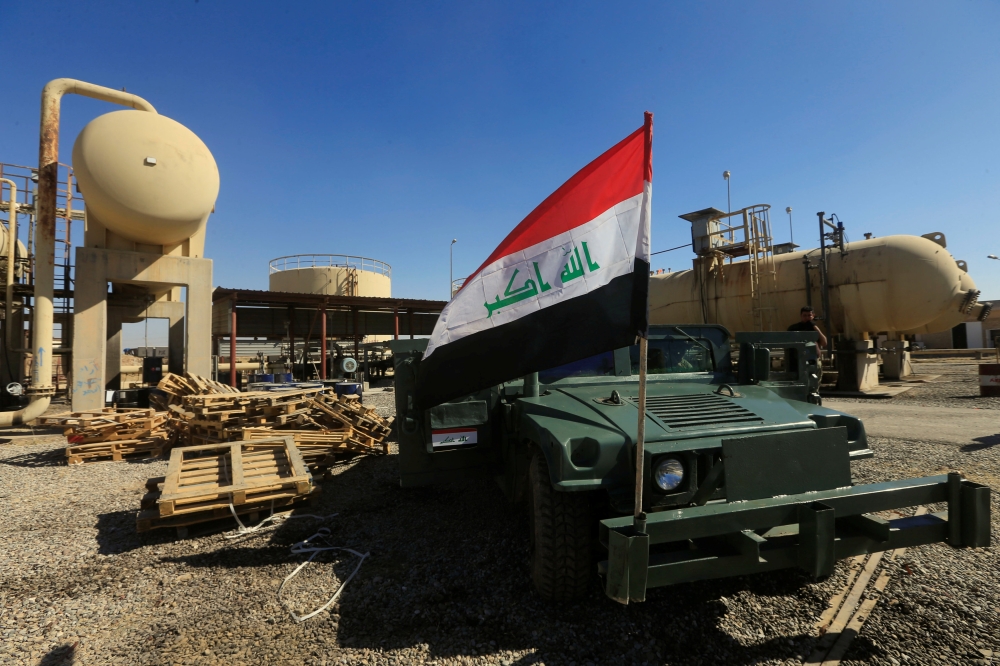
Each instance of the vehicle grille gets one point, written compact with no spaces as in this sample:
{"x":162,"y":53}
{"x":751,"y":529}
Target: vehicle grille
{"x":699,"y":411}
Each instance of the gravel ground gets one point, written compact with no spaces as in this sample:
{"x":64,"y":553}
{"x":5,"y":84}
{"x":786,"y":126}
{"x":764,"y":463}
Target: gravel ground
{"x":956,"y":386}
{"x":447,"y":581}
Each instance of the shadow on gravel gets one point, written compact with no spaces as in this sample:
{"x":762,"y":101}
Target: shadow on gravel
{"x":50,"y":458}
{"x":64,"y":655}
{"x":981,"y":443}
{"x":449,"y":569}
{"x":116,"y":533}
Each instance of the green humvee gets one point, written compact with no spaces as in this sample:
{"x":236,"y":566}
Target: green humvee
{"x":745,"y":471}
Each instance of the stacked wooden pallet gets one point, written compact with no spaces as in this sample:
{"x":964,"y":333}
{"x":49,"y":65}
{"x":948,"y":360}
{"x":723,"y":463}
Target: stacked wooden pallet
{"x":111,"y":434}
{"x":212,"y":481}
{"x":222,"y":418}
{"x":177,"y":387}
{"x":368,"y":429}
{"x":320,"y":449}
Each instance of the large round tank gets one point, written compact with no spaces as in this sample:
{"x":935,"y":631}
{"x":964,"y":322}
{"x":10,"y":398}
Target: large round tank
{"x":145,"y":177}
{"x":890,"y":284}
{"x":331,"y":275}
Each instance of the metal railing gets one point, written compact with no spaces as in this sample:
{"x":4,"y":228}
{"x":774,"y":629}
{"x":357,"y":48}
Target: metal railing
{"x":294,"y":261}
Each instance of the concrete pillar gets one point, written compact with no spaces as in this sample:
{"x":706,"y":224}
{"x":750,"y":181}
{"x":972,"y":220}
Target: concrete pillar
{"x":895,"y":360}
{"x":857,"y":370}
{"x":95,"y":268}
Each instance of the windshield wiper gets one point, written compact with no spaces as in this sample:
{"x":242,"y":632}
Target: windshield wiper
{"x":694,"y":340}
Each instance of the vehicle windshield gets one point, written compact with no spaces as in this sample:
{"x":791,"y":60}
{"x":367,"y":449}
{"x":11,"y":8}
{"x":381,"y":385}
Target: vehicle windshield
{"x":670,"y":356}
{"x":665,"y":356}
{"x":602,"y":365}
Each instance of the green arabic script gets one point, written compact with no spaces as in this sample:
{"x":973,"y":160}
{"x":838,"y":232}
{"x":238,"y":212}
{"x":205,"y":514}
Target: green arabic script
{"x":513,"y":295}
{"x":574,"y":268}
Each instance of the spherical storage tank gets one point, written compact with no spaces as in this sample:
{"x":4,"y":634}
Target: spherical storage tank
{"x":331,"y":275}
{"x":145,"y":177}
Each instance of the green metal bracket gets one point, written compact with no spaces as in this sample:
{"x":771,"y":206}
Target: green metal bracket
{"x":871,"y":526}
{"x":968,"y":513}
{"x":628,"y":565}
{"x":817,"y":530}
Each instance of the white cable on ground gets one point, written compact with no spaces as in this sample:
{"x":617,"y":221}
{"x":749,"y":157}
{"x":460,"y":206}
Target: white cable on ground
{"x":243,"y":530}
{"x":307,"y":546}
{"x":299,"y":548}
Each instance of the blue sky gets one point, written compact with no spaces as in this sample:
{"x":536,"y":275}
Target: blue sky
{"x":386,"y":130}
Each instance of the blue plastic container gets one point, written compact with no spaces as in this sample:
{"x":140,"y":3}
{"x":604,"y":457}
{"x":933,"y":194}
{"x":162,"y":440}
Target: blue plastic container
{"x":348,"y":388}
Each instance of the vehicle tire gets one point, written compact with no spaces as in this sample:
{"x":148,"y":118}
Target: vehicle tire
{"x":561,"y":564}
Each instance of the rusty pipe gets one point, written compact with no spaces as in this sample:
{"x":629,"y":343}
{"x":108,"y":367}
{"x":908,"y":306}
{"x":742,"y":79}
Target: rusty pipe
{"x":41,"y":389}
{"x":11,"y":257}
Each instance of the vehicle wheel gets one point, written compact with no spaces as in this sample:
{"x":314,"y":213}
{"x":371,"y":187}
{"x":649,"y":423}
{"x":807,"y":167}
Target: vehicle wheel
{"x":561,"y":563}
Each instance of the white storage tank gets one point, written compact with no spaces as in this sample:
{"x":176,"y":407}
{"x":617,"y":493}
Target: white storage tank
{"x":331,"y":275}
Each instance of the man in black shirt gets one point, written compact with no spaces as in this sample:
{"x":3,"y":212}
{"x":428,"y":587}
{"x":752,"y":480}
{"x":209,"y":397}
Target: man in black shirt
{"x":807,"y":315}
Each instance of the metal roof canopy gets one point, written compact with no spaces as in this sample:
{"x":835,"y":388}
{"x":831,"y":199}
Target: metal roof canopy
{"x":275,"y":314}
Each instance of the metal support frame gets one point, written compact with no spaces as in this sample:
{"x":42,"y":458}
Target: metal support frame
{"x":809,"y":531}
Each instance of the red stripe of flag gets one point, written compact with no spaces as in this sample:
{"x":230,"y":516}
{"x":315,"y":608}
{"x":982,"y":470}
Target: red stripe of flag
{"x":615,"y":176}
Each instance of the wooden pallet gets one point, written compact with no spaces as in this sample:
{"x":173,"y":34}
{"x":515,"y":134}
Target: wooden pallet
{"x":212,"y":476}
{"x":148,"y":518}
{"x":96,"y":416}
{"x":319,"y":448}
{"x":370,"y":429}
{"x":151,"y":447}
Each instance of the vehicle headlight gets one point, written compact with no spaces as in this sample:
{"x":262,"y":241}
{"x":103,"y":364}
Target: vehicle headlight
{"x":668,"y":474}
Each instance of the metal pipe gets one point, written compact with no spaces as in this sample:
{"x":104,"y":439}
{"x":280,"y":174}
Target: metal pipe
{"x":232,"y":345}
{"x":825,"y":283}
{"x":531,"y":385}
{"x":322,"y":344}
{"x":640,"y":440}
{"x":11,"y":244}
{"x":395,"y":317}
{"x":41,"y":389}
{"x":240,"y":366}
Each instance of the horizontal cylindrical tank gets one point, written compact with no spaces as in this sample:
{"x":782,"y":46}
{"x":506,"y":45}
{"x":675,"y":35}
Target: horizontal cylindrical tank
{"x":145,"y":177}
{"x":331,"y":275}
{"x":890,"y":284}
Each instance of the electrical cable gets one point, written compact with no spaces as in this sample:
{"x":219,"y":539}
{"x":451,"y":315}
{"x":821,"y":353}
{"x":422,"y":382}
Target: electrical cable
{"x":672,"y":249}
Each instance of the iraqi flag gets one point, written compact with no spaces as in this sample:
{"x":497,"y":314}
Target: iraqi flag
{"x":570,"y":281}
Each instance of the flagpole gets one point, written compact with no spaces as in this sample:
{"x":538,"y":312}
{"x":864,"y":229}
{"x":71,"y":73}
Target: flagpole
{"x":639,"y":516}
{"x":640,"y":440}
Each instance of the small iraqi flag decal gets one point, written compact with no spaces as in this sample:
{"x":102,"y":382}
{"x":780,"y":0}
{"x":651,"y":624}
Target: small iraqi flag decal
{"x":454,"y":437}
{"x":570,"y":281}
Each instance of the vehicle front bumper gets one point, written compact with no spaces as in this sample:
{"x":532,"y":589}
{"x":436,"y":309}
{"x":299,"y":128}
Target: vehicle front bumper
{"x":810,"y":531}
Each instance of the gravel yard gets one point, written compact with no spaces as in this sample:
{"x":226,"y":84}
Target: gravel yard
{"x":447,"y":580}
{"x":957,"y":385}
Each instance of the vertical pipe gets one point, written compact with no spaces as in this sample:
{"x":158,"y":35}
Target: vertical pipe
{"x":354,"y":331}
{"x":11,"y":258}
{"x":291,"y":337}
{"x":531,"y":385}
{"x":232,"y":347}
{"x":824,"y":284}
{"x":409,"y":322}
{"x":322,"y":344}
{"x":395,"y":316}
{"x":45,"y":243}
{"x":640,"y":440}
